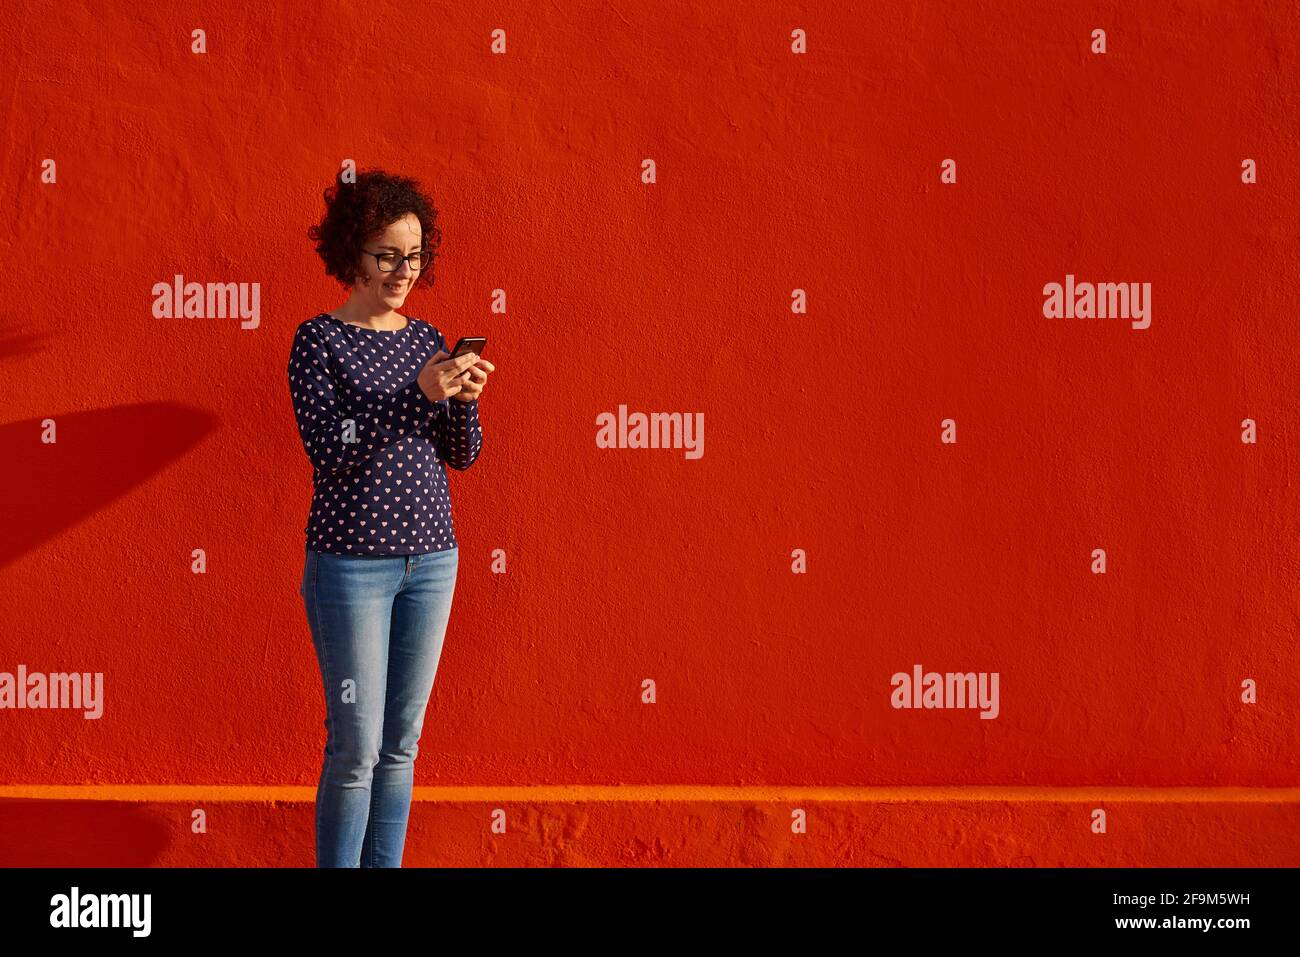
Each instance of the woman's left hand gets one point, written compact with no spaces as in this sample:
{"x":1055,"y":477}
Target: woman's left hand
{"x":473,"y":380}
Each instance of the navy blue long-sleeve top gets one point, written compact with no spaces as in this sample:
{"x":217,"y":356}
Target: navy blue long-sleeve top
{"x":377,"y":443}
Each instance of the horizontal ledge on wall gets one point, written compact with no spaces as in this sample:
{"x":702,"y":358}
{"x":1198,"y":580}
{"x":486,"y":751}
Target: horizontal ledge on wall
{"x":650,"y":793}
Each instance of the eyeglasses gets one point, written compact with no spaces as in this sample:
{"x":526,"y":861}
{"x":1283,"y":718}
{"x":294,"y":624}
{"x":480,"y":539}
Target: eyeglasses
{"x":391,"y":262}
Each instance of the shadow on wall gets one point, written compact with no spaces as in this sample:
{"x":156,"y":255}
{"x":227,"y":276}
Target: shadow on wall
{"x":81,"y":834}
{"x":46,"y":488}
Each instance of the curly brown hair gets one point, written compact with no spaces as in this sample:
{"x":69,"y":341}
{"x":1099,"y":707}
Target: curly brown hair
{"x":354,"y":212}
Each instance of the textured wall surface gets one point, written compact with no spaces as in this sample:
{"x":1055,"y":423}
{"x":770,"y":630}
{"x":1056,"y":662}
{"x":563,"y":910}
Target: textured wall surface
{"x":775,"y":171}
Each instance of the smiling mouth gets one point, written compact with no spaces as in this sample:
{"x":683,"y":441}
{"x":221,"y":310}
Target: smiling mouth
{"x":392,"y":288}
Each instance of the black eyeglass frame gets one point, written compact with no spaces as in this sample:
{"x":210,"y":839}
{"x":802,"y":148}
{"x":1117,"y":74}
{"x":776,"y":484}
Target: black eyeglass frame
{"x":425,"y":256}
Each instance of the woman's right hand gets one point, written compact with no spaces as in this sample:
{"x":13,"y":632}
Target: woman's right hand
{"x":438,"y":378}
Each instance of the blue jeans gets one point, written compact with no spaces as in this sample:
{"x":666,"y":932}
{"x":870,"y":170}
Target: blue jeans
{"x":378,"y":624}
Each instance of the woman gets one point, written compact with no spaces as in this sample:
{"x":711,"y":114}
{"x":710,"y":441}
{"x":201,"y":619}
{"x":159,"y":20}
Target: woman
{"x":380,"y":409}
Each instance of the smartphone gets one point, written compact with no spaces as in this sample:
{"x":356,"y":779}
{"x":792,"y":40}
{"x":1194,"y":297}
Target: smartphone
{"x":468,"y":344}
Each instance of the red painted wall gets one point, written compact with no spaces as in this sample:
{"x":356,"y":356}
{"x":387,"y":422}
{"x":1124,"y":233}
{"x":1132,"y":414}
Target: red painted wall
{"x":775,"y":172}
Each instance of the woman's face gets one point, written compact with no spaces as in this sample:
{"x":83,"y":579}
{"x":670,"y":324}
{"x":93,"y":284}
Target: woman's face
{"x":388,"y":290}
